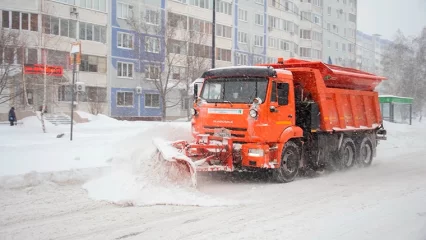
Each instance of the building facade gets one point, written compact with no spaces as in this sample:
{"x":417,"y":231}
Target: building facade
{"x":47,"y":30}
{"x":339,"y":20}
{"x":369,"y":52}
{"x":128,"y":44}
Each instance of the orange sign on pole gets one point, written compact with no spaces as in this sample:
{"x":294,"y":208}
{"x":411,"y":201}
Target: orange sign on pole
{"x":75,"y":51}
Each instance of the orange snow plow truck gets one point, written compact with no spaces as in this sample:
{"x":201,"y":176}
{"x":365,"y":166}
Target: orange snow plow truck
{"x":284,"y":117}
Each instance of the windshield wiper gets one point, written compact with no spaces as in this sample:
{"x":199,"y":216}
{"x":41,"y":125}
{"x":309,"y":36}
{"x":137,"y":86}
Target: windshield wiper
{"x":227,"y":102}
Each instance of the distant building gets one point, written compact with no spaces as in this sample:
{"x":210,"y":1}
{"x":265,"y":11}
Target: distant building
{"x":339,"y":21}
{"x":369,"y":52}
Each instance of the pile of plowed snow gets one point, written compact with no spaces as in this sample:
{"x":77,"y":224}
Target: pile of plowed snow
{"x":135,"y":180}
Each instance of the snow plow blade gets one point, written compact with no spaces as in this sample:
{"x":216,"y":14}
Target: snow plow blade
{"x":179,"y":161}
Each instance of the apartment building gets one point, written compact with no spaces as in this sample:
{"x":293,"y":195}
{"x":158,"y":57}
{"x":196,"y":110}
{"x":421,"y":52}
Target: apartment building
{"x":48,"y":28}
{"x":136,"y":57}
{"x":370,"y":49}
{"x":339,"y":36}
{"x":311,"y":30}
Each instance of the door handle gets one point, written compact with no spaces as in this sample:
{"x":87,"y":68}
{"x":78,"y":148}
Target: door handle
{"x":290,"y":116}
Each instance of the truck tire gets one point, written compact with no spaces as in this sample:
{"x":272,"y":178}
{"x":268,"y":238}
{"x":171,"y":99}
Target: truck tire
{"x":346,"y":156}
{"x":365,"y":152}
{"x":290,"y":163}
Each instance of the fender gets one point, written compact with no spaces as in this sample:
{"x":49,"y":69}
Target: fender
{"x":290,"y":132}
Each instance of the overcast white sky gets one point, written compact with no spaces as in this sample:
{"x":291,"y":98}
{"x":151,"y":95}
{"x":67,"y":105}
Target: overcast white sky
{"x":384,"y":17}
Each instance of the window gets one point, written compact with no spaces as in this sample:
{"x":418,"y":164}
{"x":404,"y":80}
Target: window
{"x":296,"y":48}
{"x":316,"y":36}
{"x":176,"y":46}
{"x":5,"y":19}
{"x":317,"y":3}
{"x":258,"y":41}
{"x":316,"y":19}
{"x":223,"y":54}
{"x":200,"y":25}
{"x":329,"y":43}
{"x":257,"y":59}
{"x":152,"y":100}
{"x":93,"y":64}
{"x":305,"y":34}
{"x":60,"y":58}
{"x":177,"y":20}
{"x":352,"y":17}
{"x":94,"y":94}
{"x":337,"y":46}
{"x":64,"y":93}
{"x":242,"y":15}
{"x":223,"y":7}
{"x":258,"y":19}
{"x":329,"y":11}
{"x":20,"y":20}
{"x":305,"y":52}
{"x":152,"y":72}
{"x":242,"y":37}
{"x":273,"y":42}
{"x":16,"y":20}
{"x":200,"y":3}
{"x":152,"y":17}
{"x":152,"y":44}
{"x":272,"y":60}
{"x":123,"y":10}
{"x":223,"y":31}
{"x":177,"y":72}
{"x":92,"y":32}
{"x":125,"y":40}
{"x":259,"y":2}
{"x":124,"y":99}
{"x":343,"y":47}
{"x":125,"y":69}
{"x":242,"y":59}
{"x":284,"y":45}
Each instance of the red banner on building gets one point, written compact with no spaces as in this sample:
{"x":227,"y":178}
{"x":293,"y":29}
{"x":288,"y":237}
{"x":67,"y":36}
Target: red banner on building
{"x":56,"y":71}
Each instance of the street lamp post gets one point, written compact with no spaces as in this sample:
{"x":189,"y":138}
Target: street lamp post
{"x":214,"y":34}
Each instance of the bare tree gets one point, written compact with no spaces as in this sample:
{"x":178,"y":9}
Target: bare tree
{"x":12,"y":43}
{"x":404,"y":64}
{"x":183,"y":54}
{"x":96,"y":98}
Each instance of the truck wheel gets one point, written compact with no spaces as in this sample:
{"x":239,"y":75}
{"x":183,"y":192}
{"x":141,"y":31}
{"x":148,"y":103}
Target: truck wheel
{"x":290,"y":163}
{"x":365,"y":152}
{"x":346,"y":156}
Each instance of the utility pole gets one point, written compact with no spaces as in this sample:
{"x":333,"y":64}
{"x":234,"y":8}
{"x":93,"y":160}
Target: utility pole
{"x":214,"y":35}
{"x":75,"y":51}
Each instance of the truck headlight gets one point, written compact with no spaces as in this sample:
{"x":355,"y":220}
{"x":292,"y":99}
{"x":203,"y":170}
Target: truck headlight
{"x":253,"y":113}
{"x":255,"y":152}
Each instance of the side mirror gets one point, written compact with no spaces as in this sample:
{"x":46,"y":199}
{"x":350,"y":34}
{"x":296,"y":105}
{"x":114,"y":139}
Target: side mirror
{"x":195,"y":91}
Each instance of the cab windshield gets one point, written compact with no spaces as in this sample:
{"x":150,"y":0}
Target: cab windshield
{"x":234,"y":90}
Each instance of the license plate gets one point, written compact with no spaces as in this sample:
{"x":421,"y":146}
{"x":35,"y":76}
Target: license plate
{"x":222,"y":132}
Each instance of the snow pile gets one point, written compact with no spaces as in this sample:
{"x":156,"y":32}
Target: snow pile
{"x":136,"y":177}
{"x":34,"y":122}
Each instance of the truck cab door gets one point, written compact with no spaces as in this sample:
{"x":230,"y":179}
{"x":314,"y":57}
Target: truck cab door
{"x":281,"y":108}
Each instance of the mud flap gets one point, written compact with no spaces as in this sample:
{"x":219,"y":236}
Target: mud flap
{"x":177,"y":159}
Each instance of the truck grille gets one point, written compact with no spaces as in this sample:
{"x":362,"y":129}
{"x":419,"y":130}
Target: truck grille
{"x":235,"y":132}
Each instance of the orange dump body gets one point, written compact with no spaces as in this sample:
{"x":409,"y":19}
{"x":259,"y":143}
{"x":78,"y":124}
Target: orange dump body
{"x":346,"y":96}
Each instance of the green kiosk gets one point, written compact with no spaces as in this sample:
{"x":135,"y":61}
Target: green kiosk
{"x":396,"y":109}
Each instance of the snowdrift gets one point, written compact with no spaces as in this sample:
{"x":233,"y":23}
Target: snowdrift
{"x":136,"y":177}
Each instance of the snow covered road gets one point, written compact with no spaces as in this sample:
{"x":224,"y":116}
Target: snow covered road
{"x":384,"y":201}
